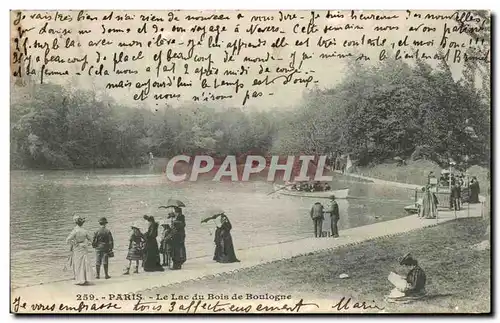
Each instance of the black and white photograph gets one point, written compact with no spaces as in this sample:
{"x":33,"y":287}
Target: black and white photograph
{"x":250,"y":161}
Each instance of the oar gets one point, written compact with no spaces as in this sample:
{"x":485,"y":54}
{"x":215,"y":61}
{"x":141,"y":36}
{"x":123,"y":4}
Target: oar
{"x":279,"y":189}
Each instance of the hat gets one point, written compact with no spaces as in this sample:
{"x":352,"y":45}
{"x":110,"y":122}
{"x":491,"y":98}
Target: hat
{"x":332,"y":197}
{"x":103,"y":220}
{"x":78,"y":218}
{"x":405,"y":258}
{"x":135,"y":225}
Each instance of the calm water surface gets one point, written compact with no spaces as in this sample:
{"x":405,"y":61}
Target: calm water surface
{"x":42,"y":204}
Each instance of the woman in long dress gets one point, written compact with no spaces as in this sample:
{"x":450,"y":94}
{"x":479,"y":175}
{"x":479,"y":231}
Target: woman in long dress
{"x":80,"y":239}
{"x":179,"y":222}
{"x":474,"y":191}
{"x":224,"y":248}
{"x":428,"y":209}
{"x":175,"y":240}
{"x":152,"y":253}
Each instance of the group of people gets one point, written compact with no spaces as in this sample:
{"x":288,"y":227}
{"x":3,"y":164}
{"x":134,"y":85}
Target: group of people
{"x":318,"y":212}
{"x":460,"y":190}
{"x":311,"y":187}
{"x":142,"y":247}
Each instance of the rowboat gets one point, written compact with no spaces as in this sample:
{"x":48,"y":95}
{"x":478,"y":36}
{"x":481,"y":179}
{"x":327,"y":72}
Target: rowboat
{"x":287,"y":190}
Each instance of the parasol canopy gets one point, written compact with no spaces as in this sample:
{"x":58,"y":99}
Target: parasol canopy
{"x":173,"y":203}
{"x":212,"y":214}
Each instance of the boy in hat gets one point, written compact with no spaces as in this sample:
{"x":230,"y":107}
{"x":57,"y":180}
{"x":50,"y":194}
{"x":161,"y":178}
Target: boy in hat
{"x":411,"y":287}
{"x":103,"y":244}
{"x":333,"y":209}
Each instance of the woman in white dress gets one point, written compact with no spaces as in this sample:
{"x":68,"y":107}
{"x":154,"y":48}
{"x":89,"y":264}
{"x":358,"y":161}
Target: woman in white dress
{"x":80,"y":239}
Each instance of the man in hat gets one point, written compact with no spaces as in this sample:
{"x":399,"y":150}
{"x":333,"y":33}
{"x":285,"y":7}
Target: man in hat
{"x":103,"y":244}
{"x":333,"y":210}
{"x":411,"y":287}
{"x":317,"y":217}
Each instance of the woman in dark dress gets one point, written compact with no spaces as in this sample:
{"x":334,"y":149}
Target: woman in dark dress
{"x":175,"y":241}
{"x":224,"y":249}
{"x":151,"y":252}
{"x":474,"y":191}
{"x":179,"y":222}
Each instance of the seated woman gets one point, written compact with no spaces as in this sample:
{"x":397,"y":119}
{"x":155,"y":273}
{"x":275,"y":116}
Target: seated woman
{"x":224,"y":248}
{"x":410,"y":287}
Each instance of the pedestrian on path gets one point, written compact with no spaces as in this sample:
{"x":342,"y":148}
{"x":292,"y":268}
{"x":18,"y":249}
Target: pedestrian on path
{"x":428,"y":209}
{"x":103,"y":245}
{"x":455,"y":196}
{"x":79,"y":239}
{"x":333,"y":210}
{"x":317,"y":217}
{"x":135,"y":249}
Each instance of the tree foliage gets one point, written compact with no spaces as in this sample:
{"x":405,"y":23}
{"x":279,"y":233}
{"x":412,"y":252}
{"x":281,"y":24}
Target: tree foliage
{"x":376,"y":113}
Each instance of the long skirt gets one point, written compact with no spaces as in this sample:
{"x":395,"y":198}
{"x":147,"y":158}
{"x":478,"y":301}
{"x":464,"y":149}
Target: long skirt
{"x":152,"y":257}
{"x":183,"y":255}
{"x":176,"y":254}
{"x":81,"y":265}
{"x":224,"y":250}
{"x":429,"y":208}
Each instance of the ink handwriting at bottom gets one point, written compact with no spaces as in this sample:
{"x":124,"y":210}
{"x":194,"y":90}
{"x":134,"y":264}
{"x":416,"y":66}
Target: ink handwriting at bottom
{"x":345,"y":304}
{"x":218,"y":307}
{"x":81,"y":307}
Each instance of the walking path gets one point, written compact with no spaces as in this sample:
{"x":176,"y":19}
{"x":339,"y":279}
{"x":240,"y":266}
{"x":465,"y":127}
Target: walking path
{"x":196,"y":269}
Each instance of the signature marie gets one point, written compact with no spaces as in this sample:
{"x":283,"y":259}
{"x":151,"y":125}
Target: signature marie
{"x":345,"y":304}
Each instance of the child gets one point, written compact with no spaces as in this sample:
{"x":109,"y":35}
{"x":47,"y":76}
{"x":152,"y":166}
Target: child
{"x":135,"y":249}
{"x":165,"y":245}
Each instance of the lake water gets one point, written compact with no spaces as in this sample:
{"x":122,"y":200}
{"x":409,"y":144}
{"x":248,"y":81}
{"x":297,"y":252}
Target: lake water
{"x":42,"y":205}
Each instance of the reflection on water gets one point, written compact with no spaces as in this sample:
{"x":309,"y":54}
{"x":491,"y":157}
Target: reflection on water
{"x":42,"y":206}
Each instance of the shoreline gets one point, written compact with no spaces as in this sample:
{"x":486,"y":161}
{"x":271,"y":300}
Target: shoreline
{"x":200,"y":268}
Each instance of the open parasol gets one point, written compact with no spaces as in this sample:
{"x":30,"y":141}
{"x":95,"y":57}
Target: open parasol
{"x":212,"y":214}
{"x":173,"y":203}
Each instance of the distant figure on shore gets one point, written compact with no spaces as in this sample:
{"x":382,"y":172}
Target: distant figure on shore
{"x":333,"y":210}
{"x":135,"y":249}
{"x":317,"y":218}
{"x":474,"y":190}
{"x":151,"y":252}
{"x":165,"y":245}
{"x":79,"y":239}
{"x":429,"y":204}
{"x":410,"y":287}
{"x":455,"y":196}
{"x":103,"y":245}
{"x":224,"y":248}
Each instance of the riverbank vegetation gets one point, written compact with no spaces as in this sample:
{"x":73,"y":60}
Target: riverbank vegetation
{"x":376,"y":113}
{"x":458,"y":274}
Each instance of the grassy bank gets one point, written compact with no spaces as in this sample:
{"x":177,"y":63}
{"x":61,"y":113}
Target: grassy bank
{"x":458,"y":276}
